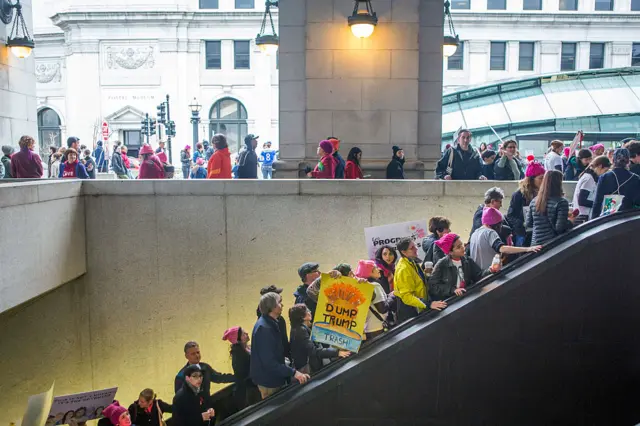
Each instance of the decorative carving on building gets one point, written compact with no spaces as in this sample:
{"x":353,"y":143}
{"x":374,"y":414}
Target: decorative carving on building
{"x":48,"y":72}
{"x":130,"y":58}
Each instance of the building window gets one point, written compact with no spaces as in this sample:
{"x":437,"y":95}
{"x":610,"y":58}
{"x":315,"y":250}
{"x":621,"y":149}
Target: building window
{"x":456,"y":61}
{"x":568,"y":57}
{"x":461,"y":4}
{"x":229,"y":117}
{"x":498,"y":56}
{"x":596,"y":56}
{"x":604,"y":5}
{"x":496,"y":4}
{"x":635,"y":55}
{"x":242,"y":55}
{"x":532,"y":5}
{"x":133,"y":141}
{"x":208,"y":4}
{"x":635,"y":5}
{"x":568,"y":5}
{"x":213,"y":55}
{"x":245,"y":4}
{"x":48,"y":131}
{"x":525,"y":57}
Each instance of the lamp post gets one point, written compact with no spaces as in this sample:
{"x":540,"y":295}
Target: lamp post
{"x":21,"y":46}
{"x":363,"y":20}
{"x":195,"y":119}
{"x":268,"y":43}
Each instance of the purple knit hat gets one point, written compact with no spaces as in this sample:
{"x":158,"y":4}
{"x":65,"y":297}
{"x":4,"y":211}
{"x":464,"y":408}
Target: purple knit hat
{"x":327,"y":147}
{"x":491,"y":216}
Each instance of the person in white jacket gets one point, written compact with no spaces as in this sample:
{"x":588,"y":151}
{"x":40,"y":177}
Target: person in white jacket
{"x":55,"y":165}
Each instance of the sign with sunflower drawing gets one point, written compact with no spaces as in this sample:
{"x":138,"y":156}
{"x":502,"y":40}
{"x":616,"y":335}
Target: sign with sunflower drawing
{"x":343,"y":305}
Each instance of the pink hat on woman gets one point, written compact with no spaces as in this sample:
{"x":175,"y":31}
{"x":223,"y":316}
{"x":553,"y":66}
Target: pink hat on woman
{"x":365,"y":268}
{"x":595,"y":147}
{"x":534,"y":169}
{"x":327,"y":147}
{"x":491,"y":216}
{"x":231,"y":335}
{"x":113,"y":412}
{"x":200,"y":161}
{"x":446,"y":242}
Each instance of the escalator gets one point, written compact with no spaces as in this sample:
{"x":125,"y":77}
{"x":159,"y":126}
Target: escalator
{"x":554,"y":339}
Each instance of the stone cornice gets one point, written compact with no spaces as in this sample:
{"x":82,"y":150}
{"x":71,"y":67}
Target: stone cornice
{"x":463,"y":18}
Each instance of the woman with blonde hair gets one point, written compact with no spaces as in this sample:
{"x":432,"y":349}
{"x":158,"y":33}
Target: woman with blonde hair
{"x":527,"y":191}
{"x":553,"y":160}
{"x":148,"y":409}
{"x":26,"y":164}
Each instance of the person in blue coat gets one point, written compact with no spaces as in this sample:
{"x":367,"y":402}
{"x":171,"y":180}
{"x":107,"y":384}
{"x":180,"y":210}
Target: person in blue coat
{"x":72,"y":168}
{"x":618,"y":181}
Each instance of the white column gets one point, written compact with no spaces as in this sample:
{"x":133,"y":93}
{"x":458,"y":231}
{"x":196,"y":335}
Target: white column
{"x":512,"y":60}
{"x":550,"y":56}
{"x":478,"y":60}
{"x":582,"y":56}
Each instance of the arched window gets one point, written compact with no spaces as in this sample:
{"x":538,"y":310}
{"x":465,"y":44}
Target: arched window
{"x":48,"y":129}
{"x":229,"y":117}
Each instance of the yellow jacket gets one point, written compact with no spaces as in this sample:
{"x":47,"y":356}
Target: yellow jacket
{"x":408,"y":285}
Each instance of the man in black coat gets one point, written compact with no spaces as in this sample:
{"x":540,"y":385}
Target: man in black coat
{"x":466,"y":163}
{"x":248,"y":159}
{"x":192,"y":405}
{"x":192,"y":353}
{"x":395,"y":168}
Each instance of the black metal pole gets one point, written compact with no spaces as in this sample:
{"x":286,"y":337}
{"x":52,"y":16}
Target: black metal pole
{"x":147,"y":126}
{"x":169,"y":132}
{"x":195,"y":120}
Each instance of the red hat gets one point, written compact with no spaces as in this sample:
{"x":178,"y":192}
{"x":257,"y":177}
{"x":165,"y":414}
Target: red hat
{"x":336,"y":144}
{"x":534,"y":169}
{"x":232,"y":335}
{"x":491,"y":216}
{"x":446,"y":242}
{"x":365,"y":268}
{"x":113,"y":412}
{"x":146,"y":149}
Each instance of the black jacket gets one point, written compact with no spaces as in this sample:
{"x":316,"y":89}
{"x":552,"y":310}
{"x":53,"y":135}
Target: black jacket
{"x":574,"y":169}
{"x":555,"y":222}
{"x":304,"y":351}
{"x":433,"y":253}
{"x":395,"y":168}
{"x":209,"y":375}
{"x":246,"y":392}
{"x":466,"y":165}
{"x":140,"y":417}
{"x":444,"y":280}
{"x":248,"y":163}
{"x":607,"y":185}
{"x":515,"y":214}
{"x":633,"y":168}
{"x":340,"y":164}
{"x":282,"y":324}
{"x":189,"y":406}
{"x":505,"y":173}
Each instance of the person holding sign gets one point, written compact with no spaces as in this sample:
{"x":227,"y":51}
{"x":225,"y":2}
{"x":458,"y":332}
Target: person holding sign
{"x":376,"y":318}
{"x":410,"y":284}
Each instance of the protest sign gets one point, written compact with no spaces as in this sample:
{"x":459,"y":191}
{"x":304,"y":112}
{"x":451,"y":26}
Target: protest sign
{"x":37,"y":408}
{"x":378,"y":236}
{"x":80,"y":407}
{"x":342,"y":309}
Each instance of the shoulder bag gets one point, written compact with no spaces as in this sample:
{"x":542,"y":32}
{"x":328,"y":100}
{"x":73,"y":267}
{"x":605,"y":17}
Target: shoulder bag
{"x":612,"y":202}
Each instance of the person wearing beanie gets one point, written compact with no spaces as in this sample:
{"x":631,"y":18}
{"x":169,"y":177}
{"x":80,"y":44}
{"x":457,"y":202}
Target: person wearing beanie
{"x":7,"y":152}
{"x":577,"y":164}
{"x":410,"y":284}
{"x":117,"y":414}
{"x":461,"y":162}
{"x":194,"y":357}
{"x":344,"y":269}
{"x":150,"y":166}
{"x":584,"y":193}
{"x":493,"y":197}
{"x":199,"y":171}
{"x":185,"y":159}
{"x":307,"y":356}
{"x":618,"y":181}
{"x":72,"y":168}
{"x":455,"y":273}
{"x":148,"y":409}
{"x":100,"y":157}
{"x":395,"y":168}
{"x":488,"y":158}
{"x":192,"y":404}
{"x":508,"y":166}
{"x":246,"y":392}
{"x":597,"y":149}
{"x":377,"y":315}
{"x":340,"y":163}
{"x":548,"y":213}
{"x":248,"y":159}
{"x":326,"y":167}
{"x":485,"y":243}
{"x":520,"y":200}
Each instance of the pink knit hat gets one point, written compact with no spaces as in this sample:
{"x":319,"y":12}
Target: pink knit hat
{"x":567,"y":151}
{"x":327,"y":147}
{"x":365,"y":268}
{"x":113,"y":412}
{"x":231,"y":335}
{"x":200,"y":161}
{"x":446,"y":242}
{"x":491,"y":216}
{"x":596,"y":147}
{"x":534,"y":169}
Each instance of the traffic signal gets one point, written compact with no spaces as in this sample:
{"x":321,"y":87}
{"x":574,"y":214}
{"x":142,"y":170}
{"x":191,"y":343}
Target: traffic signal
{"x":171,"y":128}
{"x":143,"y":126}
{"x":162,"y":112}
{"x":153,"y":123}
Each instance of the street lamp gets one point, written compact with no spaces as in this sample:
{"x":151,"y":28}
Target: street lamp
{"x":451,"y":42}
{"x":268,"y":43}
{"x":195,"y":108}
{"x":363,"y":20}
{"x":22,"y":46}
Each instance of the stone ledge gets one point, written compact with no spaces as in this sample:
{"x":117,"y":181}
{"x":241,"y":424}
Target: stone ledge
{"x":19,"y":192}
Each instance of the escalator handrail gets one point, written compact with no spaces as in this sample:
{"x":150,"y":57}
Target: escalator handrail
{"x":287,"y":393}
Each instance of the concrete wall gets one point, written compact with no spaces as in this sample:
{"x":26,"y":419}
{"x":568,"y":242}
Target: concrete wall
{"x":17,"y":88}
{"x":171,"y":261}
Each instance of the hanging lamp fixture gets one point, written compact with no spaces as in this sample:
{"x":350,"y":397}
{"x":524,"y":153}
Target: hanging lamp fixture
{"x":268,"y":43}
{"x":451,"y":42}
{"x":363,"y":20}
{"x":20,"y":45}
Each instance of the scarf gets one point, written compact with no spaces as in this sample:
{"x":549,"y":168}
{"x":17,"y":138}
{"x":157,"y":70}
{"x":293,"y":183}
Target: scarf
{"x":513,"y":164}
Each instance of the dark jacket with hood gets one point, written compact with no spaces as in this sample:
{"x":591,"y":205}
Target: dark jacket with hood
{"x":189,"y":406}
{"x":117,"y":164}
{"x":574,"y":169}
{"x":304,"y":351}
{"x":466,"y":165}
{"x":433,"y":253}
{"x":444,"y":280}
{"x":548,"y":226}
{"x":140,"y":416}
{"x":385,"y":271}
{"x":208,"y":375}
{"x":340,"y":165}
{"x":267,"y":355}
{"x":282,"y":324}
{"x":608,"y":184}
{"x":6,"y":162}
{"x":395,"y":168}
{"x":515,"y":215}
{"x":248,"y":163}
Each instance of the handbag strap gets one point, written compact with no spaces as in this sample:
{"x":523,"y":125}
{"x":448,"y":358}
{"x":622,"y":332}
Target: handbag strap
{"x":617,"y":191}
{"x":160,"y":421}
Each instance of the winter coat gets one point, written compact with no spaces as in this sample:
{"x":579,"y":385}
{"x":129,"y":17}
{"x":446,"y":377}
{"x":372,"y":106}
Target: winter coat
{"x":304,"y":351}
{"x":117,"y":164}
{"x":162,"y":155}
{"x":6,"y":162}
{"x":80,"y":171}
{"x":554,"y":223}
{"x":353,"y":171}
{"x":340,"y":165}
{"x":466,"y":165}
{"x":300,"y":295}
{"x":208,"y":153}
{"x":282,"y":325}
{"x":633,"y":168}
{"x":90,"y":165}
{"x":98,"y":154}
{"x":444,"y":279}
{"x":26,"y":164}
{"x":185,"y":159}
{"x":246,"y":392}
{"x":395,"y":168}
{"x":388,"y":285}
{"x":209,"y":375}
{"x":574,"y":169}
{"x":607,"y":185}
{"x":267,"y":355}
{"x":197,"y":154}
{"x":410,"y":289}
{"x":189,"y":406}
{"x":433,"y":253}
{"x":516,"y":213}
{"x":248,"y":163}
{"x":325,"y":169}
{"x":488,"y":171}
{"x":151,"y":168}
{"x":502,"y":169}
{"x":219,"y":166}
{"x":198,"y":172}
{"x":140,"y":416}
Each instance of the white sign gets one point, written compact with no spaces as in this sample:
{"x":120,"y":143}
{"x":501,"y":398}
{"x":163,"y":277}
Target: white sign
{"x":378,"y":236}
{"x":80,"y":407}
